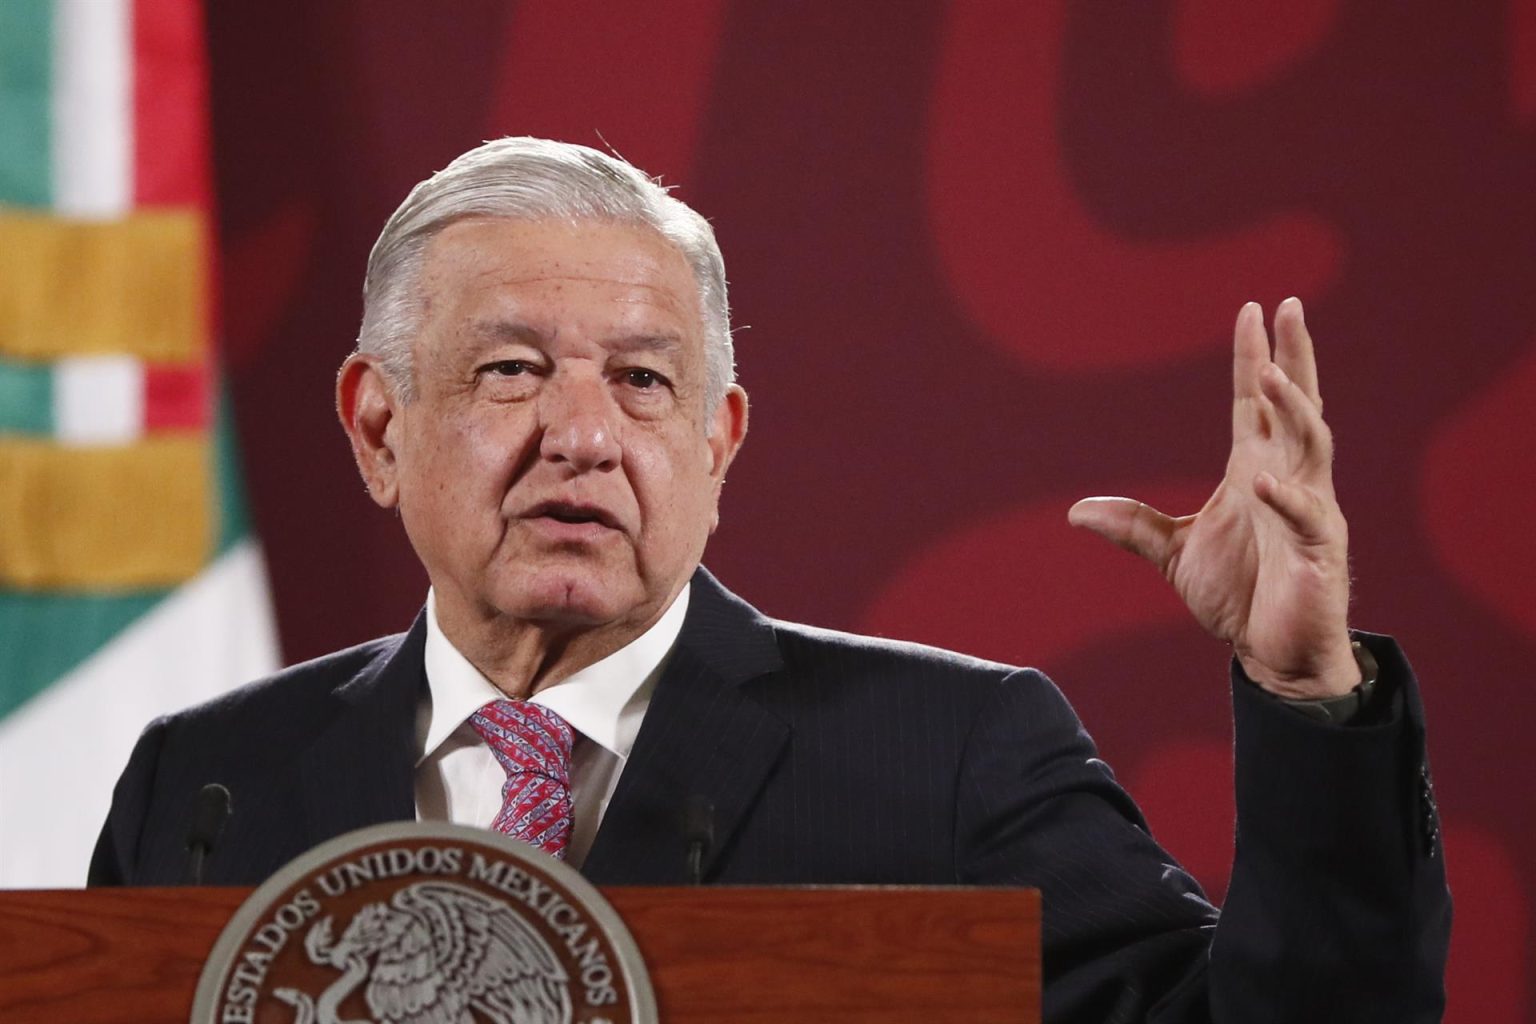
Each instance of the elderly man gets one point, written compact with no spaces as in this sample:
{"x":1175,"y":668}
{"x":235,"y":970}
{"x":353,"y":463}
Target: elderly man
{"x":543,"y":390}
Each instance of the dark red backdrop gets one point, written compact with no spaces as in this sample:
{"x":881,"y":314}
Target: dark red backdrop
{"x":988,"y":255}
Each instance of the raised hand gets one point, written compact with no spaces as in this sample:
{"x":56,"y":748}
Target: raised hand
{"x":1264,"y":565}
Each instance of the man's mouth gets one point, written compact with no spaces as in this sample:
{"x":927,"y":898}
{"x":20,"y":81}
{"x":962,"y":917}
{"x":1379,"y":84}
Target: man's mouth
{"x":573,"y":513}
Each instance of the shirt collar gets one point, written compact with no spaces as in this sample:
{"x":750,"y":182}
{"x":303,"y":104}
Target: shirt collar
{"x":604,"y":701}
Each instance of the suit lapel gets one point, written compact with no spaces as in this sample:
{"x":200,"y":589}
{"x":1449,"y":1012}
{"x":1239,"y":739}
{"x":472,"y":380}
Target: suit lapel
{"x":360,"y":768}
{"x":702,"y":737}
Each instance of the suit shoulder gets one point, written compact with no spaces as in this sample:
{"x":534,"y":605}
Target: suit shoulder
{"x":759,"y":644}
{"x":800,"y":642}
{"x":295,"y":687}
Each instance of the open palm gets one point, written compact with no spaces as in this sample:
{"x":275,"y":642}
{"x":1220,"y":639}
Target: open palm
{"x":1264,"y":565}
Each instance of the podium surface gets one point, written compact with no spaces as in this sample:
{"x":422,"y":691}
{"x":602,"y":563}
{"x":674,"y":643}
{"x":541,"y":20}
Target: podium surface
{"x":720,"y":954}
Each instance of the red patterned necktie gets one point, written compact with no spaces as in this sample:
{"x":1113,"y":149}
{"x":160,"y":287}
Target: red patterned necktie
{"x":533,"y":745}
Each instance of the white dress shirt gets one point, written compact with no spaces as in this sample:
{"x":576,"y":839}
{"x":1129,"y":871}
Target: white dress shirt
{"x":458,"y":779}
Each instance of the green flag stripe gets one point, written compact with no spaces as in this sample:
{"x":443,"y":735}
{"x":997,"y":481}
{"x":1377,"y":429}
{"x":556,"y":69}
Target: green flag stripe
{"x":26,"y":398}
{"x":234,"y":518}
{"x":43,"y":636}
{"x":26,"y":102}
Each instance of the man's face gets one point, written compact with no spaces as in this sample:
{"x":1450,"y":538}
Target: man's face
{"x":558,"y":464}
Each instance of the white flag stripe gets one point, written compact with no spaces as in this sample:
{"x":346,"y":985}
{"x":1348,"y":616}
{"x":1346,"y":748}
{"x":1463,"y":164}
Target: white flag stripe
{"x":61,"y":752}
{"x":92,"y":108}
{"x":98,"y":400}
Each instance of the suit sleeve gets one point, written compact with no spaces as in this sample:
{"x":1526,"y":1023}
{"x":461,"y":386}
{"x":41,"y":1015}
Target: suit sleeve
{"x":116,"y":855}
{"x":1337,"y":908}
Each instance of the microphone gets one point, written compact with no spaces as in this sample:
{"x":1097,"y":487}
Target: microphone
{"x":208,"y":819}
{"x":699,"y":832}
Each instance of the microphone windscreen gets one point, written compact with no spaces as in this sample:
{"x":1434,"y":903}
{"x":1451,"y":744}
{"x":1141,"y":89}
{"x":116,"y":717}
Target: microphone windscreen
{"x":208,"y":817}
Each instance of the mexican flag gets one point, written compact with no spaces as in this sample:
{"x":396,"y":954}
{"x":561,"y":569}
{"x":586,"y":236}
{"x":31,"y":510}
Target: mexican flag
{"x":130,"y":584}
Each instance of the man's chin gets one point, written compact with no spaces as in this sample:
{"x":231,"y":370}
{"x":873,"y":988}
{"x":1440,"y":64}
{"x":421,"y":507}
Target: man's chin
{"x":575,"y":600}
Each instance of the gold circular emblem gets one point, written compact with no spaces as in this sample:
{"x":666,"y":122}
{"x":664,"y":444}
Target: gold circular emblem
{"x":424,"y":922}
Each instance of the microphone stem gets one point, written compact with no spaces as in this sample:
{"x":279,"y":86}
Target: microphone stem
{"x":195,"y":864}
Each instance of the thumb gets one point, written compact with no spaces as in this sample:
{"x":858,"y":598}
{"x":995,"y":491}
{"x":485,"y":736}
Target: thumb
{"x":1137,"y":527}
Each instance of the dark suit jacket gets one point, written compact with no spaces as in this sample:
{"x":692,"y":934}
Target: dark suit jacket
{"x":833,"y":758}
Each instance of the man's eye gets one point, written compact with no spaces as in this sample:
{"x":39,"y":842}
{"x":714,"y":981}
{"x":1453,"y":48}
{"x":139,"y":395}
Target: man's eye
{"x":643,"y":379}
{"x":508,"y":368}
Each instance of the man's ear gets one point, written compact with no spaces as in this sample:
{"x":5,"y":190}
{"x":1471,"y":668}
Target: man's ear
{"x":727,"y":430}
{"x":368,"y":406}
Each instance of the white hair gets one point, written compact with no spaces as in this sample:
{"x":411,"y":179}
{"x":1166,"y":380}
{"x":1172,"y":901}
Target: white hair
{"x":533,"y":179}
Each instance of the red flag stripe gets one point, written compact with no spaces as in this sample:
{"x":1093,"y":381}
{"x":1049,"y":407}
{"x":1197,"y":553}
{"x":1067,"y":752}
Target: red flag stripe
{"x":170,"y":105}
{"x":176,"y":397}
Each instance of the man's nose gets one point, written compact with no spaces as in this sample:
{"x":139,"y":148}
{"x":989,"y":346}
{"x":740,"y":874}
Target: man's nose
{"x":579,"y":424}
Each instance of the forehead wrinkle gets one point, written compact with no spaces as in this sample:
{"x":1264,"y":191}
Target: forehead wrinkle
{"x":641,"y":291}
{"x":503,"y":291}
{"x":631,"y":269}
{"x":496,"y":286}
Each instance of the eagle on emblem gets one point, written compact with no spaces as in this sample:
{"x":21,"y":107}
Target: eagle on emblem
{"x":437,"y":953}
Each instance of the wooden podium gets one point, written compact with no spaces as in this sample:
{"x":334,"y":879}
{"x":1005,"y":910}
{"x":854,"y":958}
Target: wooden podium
{"x":718,"y":954}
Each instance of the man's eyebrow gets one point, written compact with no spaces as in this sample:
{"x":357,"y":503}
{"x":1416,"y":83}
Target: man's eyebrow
{"x":506,"y":330}
{"x":663,"y":342}
{"x":516,"y":330}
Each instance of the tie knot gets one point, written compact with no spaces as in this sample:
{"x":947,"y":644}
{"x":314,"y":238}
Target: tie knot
{"x":526,"y":737}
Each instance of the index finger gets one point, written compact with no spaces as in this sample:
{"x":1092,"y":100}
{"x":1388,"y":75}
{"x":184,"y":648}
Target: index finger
{"x":1250,"y":351}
